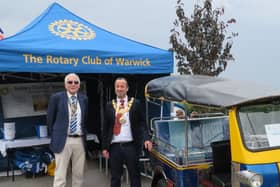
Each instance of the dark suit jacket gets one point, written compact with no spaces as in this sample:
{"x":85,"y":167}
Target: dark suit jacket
{"x":137,"y":121}
{"x":58,"y":119}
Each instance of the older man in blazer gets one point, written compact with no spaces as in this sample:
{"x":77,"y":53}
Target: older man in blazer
{"x":124,"y":134}
{"x":67,"y":111}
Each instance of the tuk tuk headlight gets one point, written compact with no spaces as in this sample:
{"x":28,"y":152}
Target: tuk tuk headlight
{"x":250,"y":178}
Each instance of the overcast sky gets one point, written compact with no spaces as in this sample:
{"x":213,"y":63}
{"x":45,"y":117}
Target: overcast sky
{"x":255,"y":50}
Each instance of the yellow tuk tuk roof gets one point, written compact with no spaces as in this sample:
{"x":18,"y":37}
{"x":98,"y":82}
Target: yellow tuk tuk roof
{"x":207,"y":90}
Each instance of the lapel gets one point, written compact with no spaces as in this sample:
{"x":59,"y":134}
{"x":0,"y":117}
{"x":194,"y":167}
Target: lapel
{"x":113,"y":110}
{"x":131,"y":111}
{"x":65,"y":103}
{"x":81,"y":103}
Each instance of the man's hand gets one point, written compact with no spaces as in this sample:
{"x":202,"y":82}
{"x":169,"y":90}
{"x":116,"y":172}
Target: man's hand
{"x":105,"y":154}
{"x":148,"y":145}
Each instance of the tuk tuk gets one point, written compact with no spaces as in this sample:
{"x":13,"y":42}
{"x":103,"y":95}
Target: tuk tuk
{"x":232,"y":140}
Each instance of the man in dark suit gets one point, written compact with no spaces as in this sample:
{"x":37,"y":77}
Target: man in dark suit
{"x":124,"y":133}
{"x":67,"y":111}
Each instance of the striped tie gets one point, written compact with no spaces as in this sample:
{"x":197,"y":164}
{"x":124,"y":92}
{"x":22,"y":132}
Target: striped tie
{"x":73,"y":120}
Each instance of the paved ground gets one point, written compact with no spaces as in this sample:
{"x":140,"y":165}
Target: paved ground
{"x":93,"y":178}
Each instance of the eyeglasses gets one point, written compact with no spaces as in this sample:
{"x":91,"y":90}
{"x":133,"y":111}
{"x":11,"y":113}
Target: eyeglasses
{"x":72,"y":82}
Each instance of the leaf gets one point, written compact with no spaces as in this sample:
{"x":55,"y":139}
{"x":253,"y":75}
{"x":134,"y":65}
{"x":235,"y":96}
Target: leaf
{"x":201,"y":41}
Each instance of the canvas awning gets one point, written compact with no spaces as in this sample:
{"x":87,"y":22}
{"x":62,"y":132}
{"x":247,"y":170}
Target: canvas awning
{"x":206,"y":90}
{"x":58,"y":41}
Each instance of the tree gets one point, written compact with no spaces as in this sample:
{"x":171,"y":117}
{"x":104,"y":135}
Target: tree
{"x":201,"y":46}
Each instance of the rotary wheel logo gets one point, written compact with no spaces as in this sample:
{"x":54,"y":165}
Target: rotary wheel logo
{"x":71,"y":30}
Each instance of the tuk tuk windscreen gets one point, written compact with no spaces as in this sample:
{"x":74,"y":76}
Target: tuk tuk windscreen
{"x":260,"y":125}
{"x":188,"y":141}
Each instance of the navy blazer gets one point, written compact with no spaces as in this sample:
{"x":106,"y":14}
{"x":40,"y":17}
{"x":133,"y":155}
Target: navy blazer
{"x":137,"y":121}
{"x":58,"y":119}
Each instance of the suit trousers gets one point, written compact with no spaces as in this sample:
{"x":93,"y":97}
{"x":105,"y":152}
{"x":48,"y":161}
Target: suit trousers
{"x":128,"y":154}
{"x":74,"y":151}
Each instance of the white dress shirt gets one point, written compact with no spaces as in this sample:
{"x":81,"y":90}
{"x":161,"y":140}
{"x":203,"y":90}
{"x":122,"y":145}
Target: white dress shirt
{"x":125,"y":134}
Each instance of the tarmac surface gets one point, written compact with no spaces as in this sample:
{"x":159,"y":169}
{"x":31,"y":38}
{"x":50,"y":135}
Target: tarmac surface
{"x":94,"y":177}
